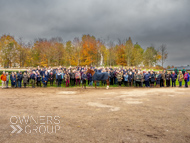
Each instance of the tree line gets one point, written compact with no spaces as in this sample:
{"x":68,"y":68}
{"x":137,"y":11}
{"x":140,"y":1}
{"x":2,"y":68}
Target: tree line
{"x":80,"y":52}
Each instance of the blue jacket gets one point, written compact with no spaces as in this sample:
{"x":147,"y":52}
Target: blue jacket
{"x":19,"y":76}
{"x":126,"y":77}
{"x":173,"y":77}
{"x":33,"y":76}
{"x":152,"y":78}
{"x":42,"y":73}
{"x":13,"y":79}
{"x":159,"y":77}
{"x":130,"y":77}
{"x":146,"y":77}
{"x":38,"y":77}
{"x":84,"y":76}
{"x":44,"y":80}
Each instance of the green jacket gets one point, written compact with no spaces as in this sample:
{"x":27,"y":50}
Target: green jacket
{"x":138,"y":78}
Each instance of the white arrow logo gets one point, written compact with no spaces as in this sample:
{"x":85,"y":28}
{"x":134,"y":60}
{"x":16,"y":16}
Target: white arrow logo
{"x":15,"y":129}
{"x":19,"y":128}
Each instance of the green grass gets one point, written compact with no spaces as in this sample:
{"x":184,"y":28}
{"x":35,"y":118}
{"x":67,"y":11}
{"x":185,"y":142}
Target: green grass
{"x":100,"y":84}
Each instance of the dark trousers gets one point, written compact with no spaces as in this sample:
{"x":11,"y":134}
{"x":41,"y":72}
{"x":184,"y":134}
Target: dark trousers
{"x":59,"y":83}
{"x":138,"y":83}
{"x":19,"y":83}
{"x":24,"y":85}
{"x":168,"y":83}
{"x":130,"y":83}
{"x":161,"y":83}
{"x":186,"y":83}
{"x":111,"y":81}
{"x":180,"y":83}
{"x":103,"y":83}
{"x":147,"y":83}
{"x":51,"y":82}
{"x":173,"y":83}
{"x":84,"y":83}
{"x":126,"y":83}
{"x":119,"y":82}
{"x":39,"y":83}
{"x":72,"y":82}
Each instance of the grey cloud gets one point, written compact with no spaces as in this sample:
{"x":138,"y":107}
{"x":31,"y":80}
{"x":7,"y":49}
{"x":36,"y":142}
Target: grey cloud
{"x":146,"y":21}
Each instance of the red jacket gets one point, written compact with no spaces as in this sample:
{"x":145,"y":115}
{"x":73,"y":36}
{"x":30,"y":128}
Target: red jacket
{"x":3,"y":77}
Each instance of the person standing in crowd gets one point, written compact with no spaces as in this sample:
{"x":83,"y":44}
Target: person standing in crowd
{"x":152,"y":79}
{"x":134,"y":79}
{"x":111,"y":77}
{"x":25,"y":79}
{"x":13,"y":80}
{"x":44,"y":81}
{"x":72,"y":75}
{"x":142,"y":78}
{"x":90,"y":80}
{"x":183,"y":71}
{"x":59,"y":78}
{"x":51,"y":77}
{"x":146,"y":79}
{"x":130,"y":77}
{"x":186,"y":78}
{"x":19,"y":76}
{"x":7,"y":80}
{"x":84,"y":78}
{"x":138,"y":79}
{"x":67,"y":79}
{"x":158,"y":79}
{"x":33,"y":79}
{"x":16,"y":81}
{"x":176,"y":71}
{"x":46,"y":76}
{"x":38,"y":78}
{"x":119,"y":78}
{"x":173,"y":77}
{"x":28,"y":74}
{"x":126,"y":79}
{"x":77,"y":77}
{"x":163,"y":79}
{"x":168,"y":77}
{"x":180,"y":78}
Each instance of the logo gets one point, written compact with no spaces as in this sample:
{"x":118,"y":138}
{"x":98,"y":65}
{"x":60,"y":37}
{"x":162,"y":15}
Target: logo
{"x":31,"y":124}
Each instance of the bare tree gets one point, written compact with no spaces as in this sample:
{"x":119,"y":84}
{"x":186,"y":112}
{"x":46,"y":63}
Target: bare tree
{"x":164,"y":53}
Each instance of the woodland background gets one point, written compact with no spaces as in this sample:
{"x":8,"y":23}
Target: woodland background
{"x":80,"y":52}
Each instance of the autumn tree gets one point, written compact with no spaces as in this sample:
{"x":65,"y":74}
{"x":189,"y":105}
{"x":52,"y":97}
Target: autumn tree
{"x":150,"y":56}
{"x":121,"y":56}
{"x":163,"y":53}
{"x":9,"y":51}
{"x":137,"y":55}
{"x":128,"y":51}
{"x":89,"y":50}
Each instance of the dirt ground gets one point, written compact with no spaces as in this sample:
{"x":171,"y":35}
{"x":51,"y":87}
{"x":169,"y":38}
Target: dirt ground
{"x":117,"y":115}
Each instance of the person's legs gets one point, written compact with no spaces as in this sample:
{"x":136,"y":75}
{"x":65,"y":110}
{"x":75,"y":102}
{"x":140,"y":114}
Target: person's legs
{"x":136,"y":83}
{"x":125,"y":83}
{"x":140,"y":84}
{"x":2,"y":84}
{"x":7,"y":84}
{"x":179,"y":83}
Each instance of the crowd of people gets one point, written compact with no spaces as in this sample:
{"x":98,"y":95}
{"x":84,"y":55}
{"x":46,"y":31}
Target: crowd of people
{"x":76,"y":76}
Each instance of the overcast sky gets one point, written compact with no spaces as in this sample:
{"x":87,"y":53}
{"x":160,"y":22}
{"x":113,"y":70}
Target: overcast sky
{"x":148,"y":22}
